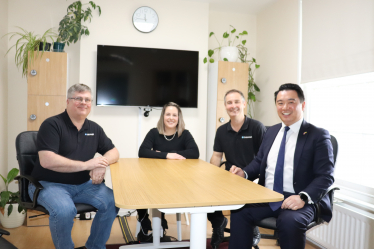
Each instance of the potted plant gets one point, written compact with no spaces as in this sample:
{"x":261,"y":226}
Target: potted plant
{"x":10,"y":201}
{"x":229,"y":52}
{"x":70,"y":27}
{"x":26,"y":44}
{"x":253,"y":89}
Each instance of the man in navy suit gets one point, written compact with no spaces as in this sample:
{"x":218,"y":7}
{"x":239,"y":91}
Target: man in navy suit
{"x":295,"y":159}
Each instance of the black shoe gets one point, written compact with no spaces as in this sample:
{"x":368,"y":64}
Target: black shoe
{"x":218,"y":234}
{"x":144,"y":238}
{"x":256,"y":236}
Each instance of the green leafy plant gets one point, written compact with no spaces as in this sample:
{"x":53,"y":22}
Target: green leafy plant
{"x":253,"y":89}
{"x":8,"y":197}
{"x":230,"y":37}
{"x":25,"y":46}
{"x":71,"y":28}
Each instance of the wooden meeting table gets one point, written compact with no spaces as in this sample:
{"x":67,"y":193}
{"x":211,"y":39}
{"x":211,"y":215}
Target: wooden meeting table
{"x":177,"y":186}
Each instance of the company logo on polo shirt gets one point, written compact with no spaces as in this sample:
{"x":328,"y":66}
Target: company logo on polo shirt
{"x":244,"y":137}
{"x":89,"y":134}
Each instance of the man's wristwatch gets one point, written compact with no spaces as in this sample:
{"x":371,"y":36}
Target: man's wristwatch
{"x":304,"y":197}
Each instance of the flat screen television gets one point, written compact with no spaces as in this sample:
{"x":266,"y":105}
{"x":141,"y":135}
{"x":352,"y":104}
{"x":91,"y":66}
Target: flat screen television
{"x":133,"y":76}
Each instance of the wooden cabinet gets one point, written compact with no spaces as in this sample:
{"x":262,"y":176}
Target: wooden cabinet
{"x":222,"y":77}
{"x":46,"y":97}
{"x":46,"y":90}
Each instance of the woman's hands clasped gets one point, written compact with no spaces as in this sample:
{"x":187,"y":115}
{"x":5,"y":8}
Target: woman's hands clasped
{"x":174,"y":156}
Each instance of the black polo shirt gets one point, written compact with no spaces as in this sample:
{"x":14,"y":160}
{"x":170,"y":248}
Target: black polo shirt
{"x":59,"y":135}
{"x":239,"y":147}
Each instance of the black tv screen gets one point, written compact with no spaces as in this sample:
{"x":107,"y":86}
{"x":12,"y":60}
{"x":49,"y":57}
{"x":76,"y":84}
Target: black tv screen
{"x":132,"y":76}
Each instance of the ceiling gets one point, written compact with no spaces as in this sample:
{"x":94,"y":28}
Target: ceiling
{"x":237,"y":6}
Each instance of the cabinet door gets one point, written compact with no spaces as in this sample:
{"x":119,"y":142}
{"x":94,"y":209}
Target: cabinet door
{"x":51,"y":74}
{"x":236,"y":75}
{"x":221,"y":114}
{"x":43,"y":107}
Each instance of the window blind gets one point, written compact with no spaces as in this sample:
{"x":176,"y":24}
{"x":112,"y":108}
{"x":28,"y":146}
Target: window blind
{"x":337,"y":38}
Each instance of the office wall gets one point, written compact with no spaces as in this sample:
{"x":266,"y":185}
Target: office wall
{"x":277,"y":53}
{"x":182,"y":25}
{"x":3,"y":89}
{"x":35,"y":16}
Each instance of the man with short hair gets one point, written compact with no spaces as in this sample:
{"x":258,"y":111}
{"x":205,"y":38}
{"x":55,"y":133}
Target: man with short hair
{"x":296,"y":160}
{"x":240,"y":140}
{"x":66,"y":145}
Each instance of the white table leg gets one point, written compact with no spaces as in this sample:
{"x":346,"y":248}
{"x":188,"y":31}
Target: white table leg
{"x":179,"y":227}
{"x":198,"y":230}
{"x":156,"y":226}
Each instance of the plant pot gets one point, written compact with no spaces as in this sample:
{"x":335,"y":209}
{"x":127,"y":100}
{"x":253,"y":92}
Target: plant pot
{"x":46,"y":46}
{"x":230,"y":53}
{"x":14,"y":220}
{"x":58,"y":47}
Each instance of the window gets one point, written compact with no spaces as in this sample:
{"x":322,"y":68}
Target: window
{"x":345,"y":107}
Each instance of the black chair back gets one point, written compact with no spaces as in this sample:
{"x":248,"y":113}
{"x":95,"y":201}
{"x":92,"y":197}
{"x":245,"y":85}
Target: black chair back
{"x":335,"y":148}
{"x":27,"y":155}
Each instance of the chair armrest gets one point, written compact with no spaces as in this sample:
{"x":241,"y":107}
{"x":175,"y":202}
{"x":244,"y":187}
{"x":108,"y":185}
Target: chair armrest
{"x":3,"y":232}
{"x":330,"y":192}
{"x":37,"y":185}
{"x":30,"y":179}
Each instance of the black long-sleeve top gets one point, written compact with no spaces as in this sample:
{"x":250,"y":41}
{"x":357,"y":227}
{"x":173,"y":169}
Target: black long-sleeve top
{"x":184,"y":145}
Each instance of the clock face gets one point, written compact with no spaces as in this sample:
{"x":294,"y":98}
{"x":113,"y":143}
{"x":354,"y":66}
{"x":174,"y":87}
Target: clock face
{"x":145,"y":19}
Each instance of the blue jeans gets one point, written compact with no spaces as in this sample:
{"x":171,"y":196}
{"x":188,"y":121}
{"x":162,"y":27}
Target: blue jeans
{"x":59,"y":200}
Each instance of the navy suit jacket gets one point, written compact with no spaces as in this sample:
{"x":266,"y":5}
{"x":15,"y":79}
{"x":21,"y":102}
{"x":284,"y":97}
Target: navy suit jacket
{"x":313,"y":163}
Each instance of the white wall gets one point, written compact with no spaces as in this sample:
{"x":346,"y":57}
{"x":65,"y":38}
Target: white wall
{"x":277,"y":53}
{"x":35,"y":16}
{"x":183,"y":25}
{"x":3,"y":89}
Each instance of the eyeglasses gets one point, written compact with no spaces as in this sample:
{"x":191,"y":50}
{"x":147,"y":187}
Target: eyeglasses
{"x":80,"y":100}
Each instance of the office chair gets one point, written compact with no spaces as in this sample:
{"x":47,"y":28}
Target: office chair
{"x":27,"y":155}
{"x":270,"y":223}
{"x":4,"y":244}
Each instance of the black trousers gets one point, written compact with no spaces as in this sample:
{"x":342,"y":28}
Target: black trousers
{"x":216,"y":218}
{"x":143,"y":212}
{"x":291,"y":225}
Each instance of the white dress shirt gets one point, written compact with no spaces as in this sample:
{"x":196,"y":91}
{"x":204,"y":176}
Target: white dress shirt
{"x":291,"y":140}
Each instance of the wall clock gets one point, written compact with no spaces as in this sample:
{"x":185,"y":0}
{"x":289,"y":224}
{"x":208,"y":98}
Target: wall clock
{"x":145,"y":19}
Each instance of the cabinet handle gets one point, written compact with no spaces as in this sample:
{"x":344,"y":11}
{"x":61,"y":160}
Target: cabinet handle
{"x":33,"y":72}
{"x":223,"y":80}
{"x":221,"y":120}
{"x":32,"y":116}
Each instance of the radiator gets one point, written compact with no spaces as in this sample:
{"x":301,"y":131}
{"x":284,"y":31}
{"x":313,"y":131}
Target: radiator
{"x":350,"y":228}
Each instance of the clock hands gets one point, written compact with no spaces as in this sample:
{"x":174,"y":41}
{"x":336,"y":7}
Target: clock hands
{"x":145,"y":18}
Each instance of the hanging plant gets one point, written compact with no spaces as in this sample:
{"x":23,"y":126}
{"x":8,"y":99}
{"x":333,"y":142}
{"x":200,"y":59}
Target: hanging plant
{"x":253,"y":89}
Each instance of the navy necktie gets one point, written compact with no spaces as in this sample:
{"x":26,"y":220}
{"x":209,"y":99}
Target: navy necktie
{"x":278,"y":175}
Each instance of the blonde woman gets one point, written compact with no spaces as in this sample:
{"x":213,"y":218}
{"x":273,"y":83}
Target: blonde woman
{"x":170,"y":140}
